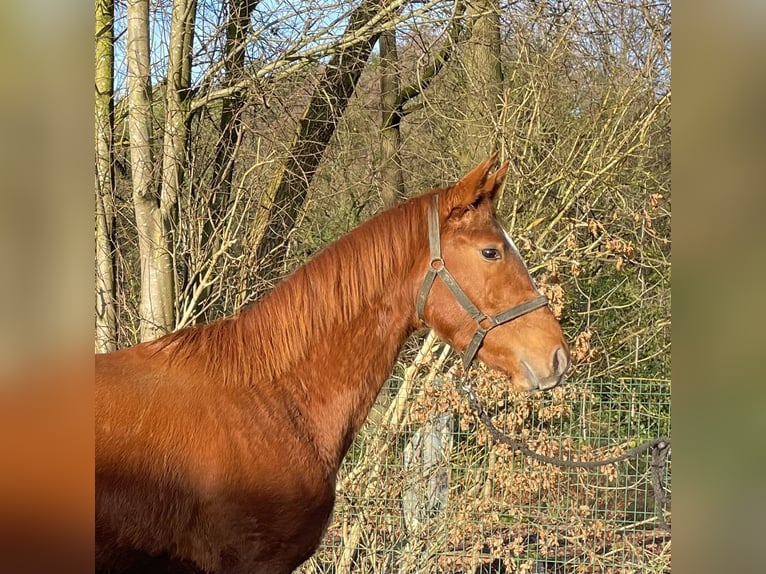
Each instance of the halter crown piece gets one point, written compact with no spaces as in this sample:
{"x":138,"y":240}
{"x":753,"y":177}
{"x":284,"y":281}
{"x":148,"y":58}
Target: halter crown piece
{"x":484,"y":323}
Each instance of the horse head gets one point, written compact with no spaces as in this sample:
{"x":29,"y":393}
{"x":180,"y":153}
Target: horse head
{"x":478,"y":294}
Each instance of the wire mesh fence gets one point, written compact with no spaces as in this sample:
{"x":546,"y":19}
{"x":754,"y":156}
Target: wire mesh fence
{"x":425,"y":489}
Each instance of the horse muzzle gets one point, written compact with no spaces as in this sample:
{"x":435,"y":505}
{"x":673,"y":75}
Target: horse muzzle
{"x":559,"y":365}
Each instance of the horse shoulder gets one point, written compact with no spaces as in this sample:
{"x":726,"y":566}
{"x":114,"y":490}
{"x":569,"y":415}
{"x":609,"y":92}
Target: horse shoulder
{"x":194,"y":467}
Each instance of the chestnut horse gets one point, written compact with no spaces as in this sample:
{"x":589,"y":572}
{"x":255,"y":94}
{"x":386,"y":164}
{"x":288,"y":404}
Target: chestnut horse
{"x":217,"y":446}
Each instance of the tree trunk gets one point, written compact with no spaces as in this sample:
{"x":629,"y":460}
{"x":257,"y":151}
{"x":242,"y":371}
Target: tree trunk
{"x":230,"y":124}
{"x":177,"y":93}
{"x":394,"y":98}
{"x":284,"y":199}
{"x":106,"y":323}
{"x":391,"y":174}
{"x":175,"y":148}
{"x":484,"y":81}
{"x":156,"y":302}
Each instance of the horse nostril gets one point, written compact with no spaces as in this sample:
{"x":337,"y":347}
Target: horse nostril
{"x":560,"y":362}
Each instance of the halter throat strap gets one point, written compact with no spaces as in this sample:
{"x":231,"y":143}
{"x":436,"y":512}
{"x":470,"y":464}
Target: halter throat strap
{"x":484,"y":323}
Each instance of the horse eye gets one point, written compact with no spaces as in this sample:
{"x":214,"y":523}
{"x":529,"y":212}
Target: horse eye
{"x":490,"y":254}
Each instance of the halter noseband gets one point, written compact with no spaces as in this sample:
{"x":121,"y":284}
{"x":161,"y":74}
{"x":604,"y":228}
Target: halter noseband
{"x":484,"y":323}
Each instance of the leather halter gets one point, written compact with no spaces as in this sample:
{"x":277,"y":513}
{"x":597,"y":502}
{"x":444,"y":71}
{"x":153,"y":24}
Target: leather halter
{"x":484,"y":323}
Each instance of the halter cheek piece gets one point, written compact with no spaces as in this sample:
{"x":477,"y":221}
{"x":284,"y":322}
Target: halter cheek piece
{"x":484,"y":323}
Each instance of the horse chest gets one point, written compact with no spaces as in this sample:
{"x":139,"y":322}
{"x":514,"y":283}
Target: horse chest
{"x":271,"y":497}
{"x":274,"y":529}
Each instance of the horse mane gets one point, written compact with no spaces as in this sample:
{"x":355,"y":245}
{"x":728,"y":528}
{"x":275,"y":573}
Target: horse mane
{"x":334,"y":288}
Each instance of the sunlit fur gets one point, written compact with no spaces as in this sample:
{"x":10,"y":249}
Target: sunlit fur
{"x":336,"y":287}
{"x":217,"y":447}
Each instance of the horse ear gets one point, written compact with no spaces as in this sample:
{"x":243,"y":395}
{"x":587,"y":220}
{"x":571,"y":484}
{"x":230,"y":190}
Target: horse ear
{"x":476,"y":187}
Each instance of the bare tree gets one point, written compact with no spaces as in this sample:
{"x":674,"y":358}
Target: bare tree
{"x":287,"y":193}
{"x":483,"y":82}
{"x":175,"y":149}
{"x":391,"y":174}
{"x":218,"y":198}
{"x":394,"y":99}
{"x":177,"y":94}
{"x":230,"y":124}
{"x":157,"y":280}
{"x":105,"y":337}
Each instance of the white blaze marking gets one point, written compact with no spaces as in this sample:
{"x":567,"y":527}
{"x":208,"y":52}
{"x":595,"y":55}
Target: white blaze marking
{"x":510,"y":241}
{"x":524,"y":263}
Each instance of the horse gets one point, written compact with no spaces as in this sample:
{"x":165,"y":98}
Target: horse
{"x":218,"y":445}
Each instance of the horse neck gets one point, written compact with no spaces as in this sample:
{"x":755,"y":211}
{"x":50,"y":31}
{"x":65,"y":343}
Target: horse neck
{"x":345,"y":374}
{"x":331,"y":333}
